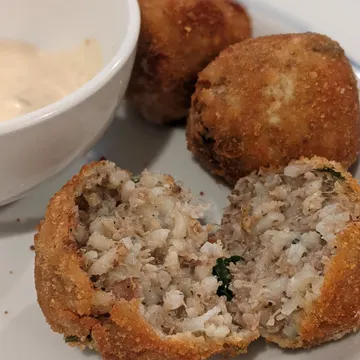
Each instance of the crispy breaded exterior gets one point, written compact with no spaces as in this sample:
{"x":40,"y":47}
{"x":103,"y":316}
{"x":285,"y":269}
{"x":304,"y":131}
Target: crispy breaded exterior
{"x":336,"y":312}
{"x":178,"y":39}
{"x":266,"y":101}
{"x":65,"y":295}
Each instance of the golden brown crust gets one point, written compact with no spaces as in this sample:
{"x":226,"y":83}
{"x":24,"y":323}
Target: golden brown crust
{"x":179,"y":38}
{"x":337,"y":309}
{"x":336,"y":312}
{"x":132,"y":337}
{"x":65,"y":295}
{"x":65,"y":292}
{"x":272,"y":99}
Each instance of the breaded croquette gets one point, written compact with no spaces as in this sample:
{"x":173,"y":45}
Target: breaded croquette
{"x":124,"y":266}
{"x":298,"y":230}
{"x":268,"y":100}
{"x":178,"y":39}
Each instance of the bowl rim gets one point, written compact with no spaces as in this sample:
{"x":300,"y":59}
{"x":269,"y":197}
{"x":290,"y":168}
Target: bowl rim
{"x":90,"y":87}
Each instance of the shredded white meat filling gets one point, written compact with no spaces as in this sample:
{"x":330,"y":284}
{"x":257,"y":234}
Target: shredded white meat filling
{"x":284,"y":226}
{"x":142,"y":239}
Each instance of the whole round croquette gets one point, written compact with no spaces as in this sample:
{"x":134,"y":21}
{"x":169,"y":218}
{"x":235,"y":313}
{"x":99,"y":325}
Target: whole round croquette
{"x":268,"y":100}
{"x":297,"y":229}
{"x":124,"y":266}
{"x":178,"y":39}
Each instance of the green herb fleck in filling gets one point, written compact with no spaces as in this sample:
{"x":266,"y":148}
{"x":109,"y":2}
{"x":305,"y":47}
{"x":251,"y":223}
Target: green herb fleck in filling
{"x":223,"y":274}
{"x":69,"y":339}
{"x":333,"y":172}
{"x":135,"y":179}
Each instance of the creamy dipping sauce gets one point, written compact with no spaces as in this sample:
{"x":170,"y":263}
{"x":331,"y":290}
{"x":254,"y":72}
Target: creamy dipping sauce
{"x":31,"y":78}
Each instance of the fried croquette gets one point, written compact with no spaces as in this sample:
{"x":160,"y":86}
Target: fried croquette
{"x":178,"y":39}
{"x":124,"y":266}
{"x":298,"y":230}
{"x":266,"y":101}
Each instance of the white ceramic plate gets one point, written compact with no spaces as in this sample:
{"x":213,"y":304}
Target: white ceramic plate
{"x":132,"y":144}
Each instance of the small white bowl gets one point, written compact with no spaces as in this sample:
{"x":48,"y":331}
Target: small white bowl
{"x":37,"y":145}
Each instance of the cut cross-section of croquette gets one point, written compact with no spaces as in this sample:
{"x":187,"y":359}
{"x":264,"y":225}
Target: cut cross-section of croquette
{"x":123,"y":265}
{"x":127,"y":266}
{"x":298,"y":230}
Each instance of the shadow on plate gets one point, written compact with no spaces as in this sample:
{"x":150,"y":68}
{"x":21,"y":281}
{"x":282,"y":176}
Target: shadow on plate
{"x":91,"y":354}
{"x":217,"y":179}
{"x":261,"y":350}
{"x":354,"y":168}
{"x":255,"y":349}
{"x":131,"y":142}
{"x":18,"y":226}
{"x":30,"y":330}
{"x":343,"y":349}
{"x":27,"y":336}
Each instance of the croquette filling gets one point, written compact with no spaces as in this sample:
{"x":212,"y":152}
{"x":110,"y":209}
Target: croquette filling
{"x":141,"y":238}
{"x":284,"y":227}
